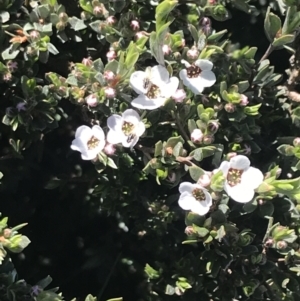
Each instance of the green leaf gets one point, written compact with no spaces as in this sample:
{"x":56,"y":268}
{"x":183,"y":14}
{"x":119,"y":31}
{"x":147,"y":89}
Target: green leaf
{"x":196,"y":172}
{"x":202,"y":232}
{"x":151,"y":272}
{"x":91,"y":298}
{"x":162,"y":11}
{"x":283,"y":40}
{"x":193,"y":218}
{"x":217,"y":36}
{"x":272,"y":25}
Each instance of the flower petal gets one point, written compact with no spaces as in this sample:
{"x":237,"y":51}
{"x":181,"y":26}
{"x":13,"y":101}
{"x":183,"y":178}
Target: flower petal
{"x":137,"y":82}
{"x":130,"y":143}
{"x":252,"y":177}
{"x":78,"y":145}
{"x":240,"y":162}
{"x":159,"y":75}
{"x":240,"y":193}
{"x":204,"y":65}
{"x":186,"y":187}
{"x":208,"y":78}
{"x":170,"y":88}
{"x":131,"y":116}
{"x":89,"y":155}
{"x":83,"y":132}
{"x":98,"y":132}
{"x":186,"y":201}
{"x":225,"y":165}
{"x":199,"y":208}
{"x":143,"y":102}
{"x":115,"y":122}
{"x":194,"y":84}
{"x":115,"y":137}
{"x":140,"y":129}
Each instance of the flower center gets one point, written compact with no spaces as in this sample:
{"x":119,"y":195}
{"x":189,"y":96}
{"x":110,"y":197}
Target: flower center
{"x":234,"y":176}
{"x":193,"y":71}
{"x":93,"y":143}
{"x":128,"y":129}
{"x":198,"y":194}
{"x":153,"y":91}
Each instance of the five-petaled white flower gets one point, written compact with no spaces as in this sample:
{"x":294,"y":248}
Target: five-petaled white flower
{"x":241,"y":178}
{"x":195,"y":198}
{"x":89,"y":141}
{"x":198,"y":75}
{"x":125,"y":129}
{"x":154,"y":87}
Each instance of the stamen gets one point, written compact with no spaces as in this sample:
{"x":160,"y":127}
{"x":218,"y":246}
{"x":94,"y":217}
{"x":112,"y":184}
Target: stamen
{"x":234,"y":176}
{"x":193,"y":71}
{"x":93,"y":143}
{"x":198,"y":194}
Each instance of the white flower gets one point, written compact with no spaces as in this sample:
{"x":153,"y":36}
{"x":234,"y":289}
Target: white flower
{"x":89,"y":141}
{"x":195,"y":198}
{"x":154,"y":87}
{"x":241,"y":178}
{"x":125,"y":129}
{"x":198,"y":75}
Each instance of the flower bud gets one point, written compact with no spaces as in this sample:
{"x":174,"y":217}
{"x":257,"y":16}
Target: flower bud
{"x":109,"y":149}
{"x":6,"y":77}
{"x":229,"y":108}
{"x":97,"y":11}
{"x":166,"y":49}
{"x":12,"y":66}
{"x":7,"y":233}
{"x":109,"y":75}
{"x":21,"y":106}
{"x":244,"y":100}
{"x":281,"y":245}
{"x":204,"y":180}
{"x":63,"y":17}
{"x":60,"y":26}
{"x":193,"y":53}
{"x":109,"y":92}
{"x":139,"y":35}
{"x":179,"y":95}
{"x":230,"y":155}
{"x":34,"y":35}
{"x":296,"y":141}
{"x":208,"y":139}
{"x":189,"y":230}
{"x":213,"y":126}
{"x":111,"y":20}
{"x":87,"y":62}
{"x":111,"y":55}
{"x":196,"y":136}
{"x":205,"y":25}
{"x":91,"y":100}
{"x":135,"y":25}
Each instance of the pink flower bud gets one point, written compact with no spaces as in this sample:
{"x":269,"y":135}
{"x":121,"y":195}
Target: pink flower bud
{"x":7,"y":233}
{"x":229,"y":108}
{"x":182,"y":43}
{"x":109,"y":149}
{"x":231,"y":155}
{"x":92,"y":100}
{"x":111,"y":20}
{"x":34,"y":35}
{"x":244,"y":100}
{"x":98,"y":11}
{"x":166,"y":49}
{"x":111,"y":55}
{"x":110,"y":92}
{"x":196,"y":136}
{"x":87,"y":62}
{"x":296,"y":141}
{"x":109,"y":75}
{"x":205,"y":21}
{"x":208,"y":139}
{"x":204,"y":180}
{"x":192,"y":53}
{"x":189,"y":230}
{"x":135,"y":25}
{"x":179,"y":95}
{"x":139,"y":35}
{"x":281,"y":245}
{"x":205,"y":24}
{"x":213,"y":126}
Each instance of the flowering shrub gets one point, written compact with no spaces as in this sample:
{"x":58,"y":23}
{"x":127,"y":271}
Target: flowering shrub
{"x":142,"y":114}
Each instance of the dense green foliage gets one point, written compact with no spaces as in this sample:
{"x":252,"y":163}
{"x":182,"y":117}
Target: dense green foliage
{"x":152,"y":149}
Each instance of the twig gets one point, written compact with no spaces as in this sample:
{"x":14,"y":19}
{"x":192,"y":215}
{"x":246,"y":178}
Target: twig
{"x":180,"y":127}
{"x":267,"y":53}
